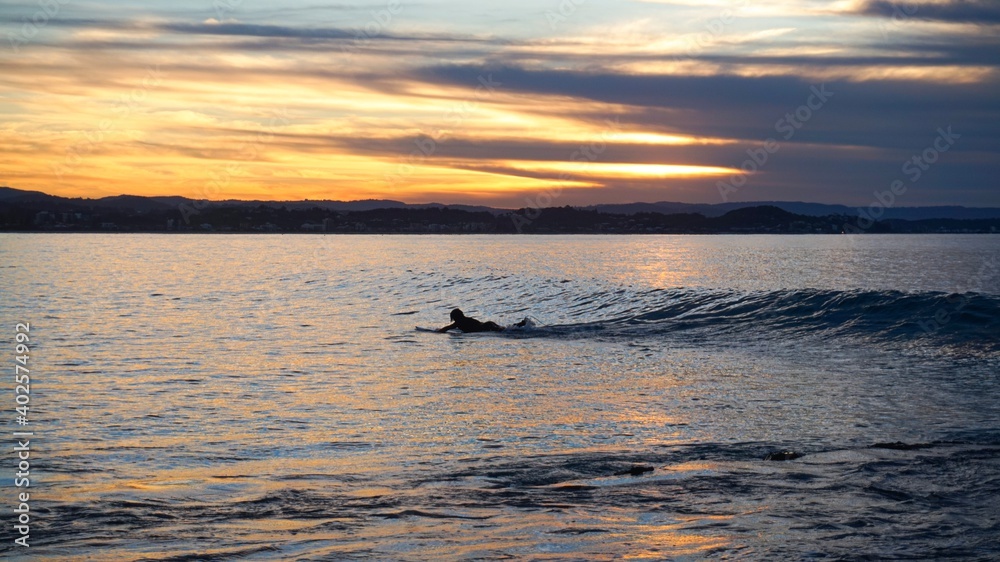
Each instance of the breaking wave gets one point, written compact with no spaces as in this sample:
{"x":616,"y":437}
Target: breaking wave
{"x":969,"y":319}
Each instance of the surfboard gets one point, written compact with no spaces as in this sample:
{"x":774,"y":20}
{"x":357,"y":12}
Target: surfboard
{"x":527,"y":326}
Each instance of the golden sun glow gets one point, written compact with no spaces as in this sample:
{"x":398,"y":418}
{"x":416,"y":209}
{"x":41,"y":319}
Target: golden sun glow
{"x":621,"y":170}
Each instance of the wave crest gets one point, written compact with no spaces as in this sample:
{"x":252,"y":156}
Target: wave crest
{"x":955,"y":319}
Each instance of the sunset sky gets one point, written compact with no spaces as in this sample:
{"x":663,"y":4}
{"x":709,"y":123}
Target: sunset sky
{"x":501,"y":103}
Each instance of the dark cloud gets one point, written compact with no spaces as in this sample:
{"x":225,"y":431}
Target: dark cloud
{"x":716,"y":91}
{"x":290,"y":32}
{"x":942,"y":50}
{"x":669,"y":91}
{"x":874,"y":113}
{"x":254,"y":30}
{"x":301,"y":37}
{"x":959,"y":11}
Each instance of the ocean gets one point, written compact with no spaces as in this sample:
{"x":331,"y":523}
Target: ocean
{"x":266,"y":397}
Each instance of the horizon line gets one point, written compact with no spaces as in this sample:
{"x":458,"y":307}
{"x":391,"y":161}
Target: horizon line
{"x":307,"y":200}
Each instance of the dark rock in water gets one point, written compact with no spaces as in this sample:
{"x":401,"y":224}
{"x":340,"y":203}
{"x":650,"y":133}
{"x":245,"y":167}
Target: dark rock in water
{"x":635,"y":471}
{"x":900,"y":446}
{"x":782,"y":456}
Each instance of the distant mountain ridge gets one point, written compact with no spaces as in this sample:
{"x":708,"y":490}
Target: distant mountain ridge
{"x":10,"y":195}
{"x":802,"y":208}
{"x":151,"y":203}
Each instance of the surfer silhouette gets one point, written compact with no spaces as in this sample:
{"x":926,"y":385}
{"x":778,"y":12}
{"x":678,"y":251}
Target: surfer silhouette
{"x":459,"y":321}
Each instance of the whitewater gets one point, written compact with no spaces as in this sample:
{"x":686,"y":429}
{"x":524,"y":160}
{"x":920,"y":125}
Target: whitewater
{"x":266,"y":397}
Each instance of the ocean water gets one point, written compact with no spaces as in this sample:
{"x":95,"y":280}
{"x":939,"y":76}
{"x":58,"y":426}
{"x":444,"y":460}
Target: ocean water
{"x":266,"y":397}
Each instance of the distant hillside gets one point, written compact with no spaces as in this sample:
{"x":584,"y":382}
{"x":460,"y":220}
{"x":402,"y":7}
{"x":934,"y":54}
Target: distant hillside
{"x":136,"y":202}
{"x":143,"y":203}
{"x":800,"y":208}
{"x":11,"y":195}
{"x":35,"y":211}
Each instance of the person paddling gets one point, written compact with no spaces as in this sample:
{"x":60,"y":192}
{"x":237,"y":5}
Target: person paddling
{"x":459,"y":321}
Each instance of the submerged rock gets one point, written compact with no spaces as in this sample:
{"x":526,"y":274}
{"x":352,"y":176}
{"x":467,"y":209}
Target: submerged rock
{"x":782,"y":456}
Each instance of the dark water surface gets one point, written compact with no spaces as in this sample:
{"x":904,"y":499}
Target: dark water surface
{"x":266,"y":397}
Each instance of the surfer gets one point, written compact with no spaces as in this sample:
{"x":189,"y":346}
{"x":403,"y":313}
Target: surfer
{"x":459,"y":321}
